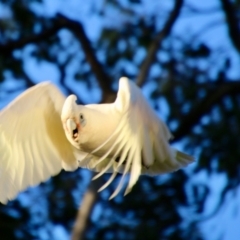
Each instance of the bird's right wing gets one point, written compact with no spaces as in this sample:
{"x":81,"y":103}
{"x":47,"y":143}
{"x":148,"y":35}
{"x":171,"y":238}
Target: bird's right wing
{"x":33,"y":144}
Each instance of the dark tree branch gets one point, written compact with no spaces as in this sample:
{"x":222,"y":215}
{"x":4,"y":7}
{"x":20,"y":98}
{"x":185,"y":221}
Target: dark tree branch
{"x":8,"y":48}
{"x":156,"y":43}
{"x":232,"y":23}
{"x":85,"y":210}
{"x":193,"y":117}
{"x":103,"y":79}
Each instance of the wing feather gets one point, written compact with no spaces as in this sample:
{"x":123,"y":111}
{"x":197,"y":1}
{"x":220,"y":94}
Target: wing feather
{"x":111,"y":162}
{"x":105,"y":185}
{"x":130,"y":152}
{"x":110,"y":150}
{"x":135,"y":169}
{"x":146,"y":149}
{"x":33,"y":145}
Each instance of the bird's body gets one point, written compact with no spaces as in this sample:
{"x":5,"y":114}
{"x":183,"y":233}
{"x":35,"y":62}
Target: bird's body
{"x":42,"y":132}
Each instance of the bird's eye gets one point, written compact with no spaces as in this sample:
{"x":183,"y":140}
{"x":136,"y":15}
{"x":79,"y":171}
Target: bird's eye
{"x":82,"y":119}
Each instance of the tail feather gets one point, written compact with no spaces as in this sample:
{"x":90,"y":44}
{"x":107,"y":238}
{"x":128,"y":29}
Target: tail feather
{"x":174,"y":162}
{"x":183,"y":157}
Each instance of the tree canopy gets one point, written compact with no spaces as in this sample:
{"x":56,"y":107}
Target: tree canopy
{"x":190,"y":77}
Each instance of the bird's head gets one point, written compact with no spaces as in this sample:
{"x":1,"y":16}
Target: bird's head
{"x":72,"y":119}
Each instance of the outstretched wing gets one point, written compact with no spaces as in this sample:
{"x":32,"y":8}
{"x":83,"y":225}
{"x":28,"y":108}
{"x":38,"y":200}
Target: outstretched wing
{"x":141,"y":141}
{"x":33,"y":145}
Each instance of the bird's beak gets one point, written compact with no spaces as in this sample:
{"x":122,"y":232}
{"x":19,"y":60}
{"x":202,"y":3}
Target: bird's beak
{"x":72,"y":128}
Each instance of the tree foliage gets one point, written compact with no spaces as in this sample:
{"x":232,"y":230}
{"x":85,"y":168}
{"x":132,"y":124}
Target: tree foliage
{"x":192,"y":83}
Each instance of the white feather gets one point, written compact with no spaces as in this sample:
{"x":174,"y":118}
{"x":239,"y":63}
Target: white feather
{"x":32,"y":141}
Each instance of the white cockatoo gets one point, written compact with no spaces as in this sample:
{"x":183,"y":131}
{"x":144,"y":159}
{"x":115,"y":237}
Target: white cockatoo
{"x":42,"y":131}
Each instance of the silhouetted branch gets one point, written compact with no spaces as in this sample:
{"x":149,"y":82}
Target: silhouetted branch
{"x":232,"y":23}
{"x":8,"y":48}
{"x":103,"y":79}
{"x":84,"y":212}
{"x":193,"y":117}
{"x":156,"y":43}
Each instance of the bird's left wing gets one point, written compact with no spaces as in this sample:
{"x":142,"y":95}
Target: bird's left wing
{"x":139,"y":142}
{"x":33,"y":145}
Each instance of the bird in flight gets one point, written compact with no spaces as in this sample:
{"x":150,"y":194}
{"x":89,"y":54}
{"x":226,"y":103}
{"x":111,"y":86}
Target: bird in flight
{"x":42,"y":132}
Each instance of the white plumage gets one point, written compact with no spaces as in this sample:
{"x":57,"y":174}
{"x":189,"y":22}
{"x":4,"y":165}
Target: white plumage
{"x":42,"y":132}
